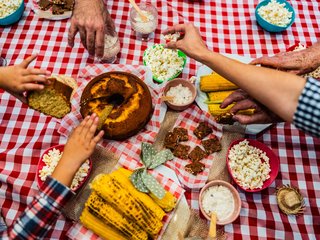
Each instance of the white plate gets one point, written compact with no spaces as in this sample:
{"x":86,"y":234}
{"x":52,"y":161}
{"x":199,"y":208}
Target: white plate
{"x":202,"y":97}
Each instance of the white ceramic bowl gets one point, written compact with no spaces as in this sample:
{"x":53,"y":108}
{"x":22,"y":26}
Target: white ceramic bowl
{"x":236,"y":197}
{"x":185,"y":83}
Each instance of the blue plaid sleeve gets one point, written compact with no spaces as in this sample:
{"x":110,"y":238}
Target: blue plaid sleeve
{"x":42,"y":213}
{"x":307,"y":115}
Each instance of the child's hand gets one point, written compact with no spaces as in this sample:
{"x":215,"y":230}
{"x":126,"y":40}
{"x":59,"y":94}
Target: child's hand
{"x":82,"y":141}
{"x":18,"y":79}
{"x":78,"y":149}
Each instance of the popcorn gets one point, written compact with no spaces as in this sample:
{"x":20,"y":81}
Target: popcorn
{"x":249,"y":165}
{"x":275,"y":13}
{"x":7,"y":7}
{"x":51,"y":160}
{"x":172,"y":37}
{"x":164,"y":62}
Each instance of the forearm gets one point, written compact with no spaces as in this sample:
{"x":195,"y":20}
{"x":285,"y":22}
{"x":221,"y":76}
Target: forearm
{"x":2,"y":77}
{"x":42,"y":213}
{"x":65,"y":171}
{"x":279,"y":91}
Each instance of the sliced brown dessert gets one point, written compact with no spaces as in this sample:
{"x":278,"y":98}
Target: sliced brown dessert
{"x":68,"y":5}
{"x":171,"y":140}
{"x":44,"y":5}
{"x":59,"y":2}
{"x":182,"y":133}
{"x":194,"y":168}
{"x":57,"y":10}
{"x":202,"y":130}
{"x":211,"y":145}
{"x":225,"y":118}
{"x":181,"y":151}
{"x":197,"y":154}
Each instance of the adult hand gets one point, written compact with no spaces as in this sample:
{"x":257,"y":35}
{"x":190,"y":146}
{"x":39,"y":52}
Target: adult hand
{"x":243,"y":101}
{"x":191,"y":43}
{"x":91,"y":19}
{"x":18,"y":79}
{"x":297,"y":62}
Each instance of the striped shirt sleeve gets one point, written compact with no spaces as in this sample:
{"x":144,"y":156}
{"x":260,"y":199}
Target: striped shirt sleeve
{"x":307,"y":115}
{"x":42,"y":213}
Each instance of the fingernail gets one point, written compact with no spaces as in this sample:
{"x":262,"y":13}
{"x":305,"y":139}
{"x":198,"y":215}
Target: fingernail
{"x":48,"y":73}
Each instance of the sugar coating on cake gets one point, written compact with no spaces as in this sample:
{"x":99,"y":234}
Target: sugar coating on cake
{"x":53,"y":100}
{"x":131,"y":100}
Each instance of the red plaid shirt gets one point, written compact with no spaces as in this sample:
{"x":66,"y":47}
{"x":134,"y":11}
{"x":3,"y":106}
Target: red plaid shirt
{"x":41,"y":214}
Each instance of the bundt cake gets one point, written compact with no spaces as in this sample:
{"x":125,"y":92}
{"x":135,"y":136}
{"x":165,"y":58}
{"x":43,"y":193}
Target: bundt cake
{"x":130,"y":98}
{"x":54,"y":99}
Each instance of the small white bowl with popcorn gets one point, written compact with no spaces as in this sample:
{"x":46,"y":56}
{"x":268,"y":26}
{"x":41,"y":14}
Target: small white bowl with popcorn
{"x":50,"y":159}
{"x":252,"y":165}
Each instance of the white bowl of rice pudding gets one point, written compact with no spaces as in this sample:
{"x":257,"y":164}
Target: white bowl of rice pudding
{"x":183,"y":93}
{"x":221,"y":198}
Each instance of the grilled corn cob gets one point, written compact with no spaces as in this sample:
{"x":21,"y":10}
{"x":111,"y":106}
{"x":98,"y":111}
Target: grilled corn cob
{"x":140,"y":209}
{"x":218,"y":97}
{"x":167,"y":203}
{"x":215,"y":110}
{"x":97,"y":225}
{"x":215,"y":82}
{"x":103,"y":209}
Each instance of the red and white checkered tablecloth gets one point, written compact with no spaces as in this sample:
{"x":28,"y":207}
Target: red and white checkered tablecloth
{"x":132,"y":145}
{"x":190,"y":119}
{"x":227,"y":27}
{"x":79,"y":231}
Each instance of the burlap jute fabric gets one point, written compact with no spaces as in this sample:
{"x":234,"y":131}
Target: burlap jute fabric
{"x":219,"y":169}
{"x":185,"y":223}
{"x":102,"y":162}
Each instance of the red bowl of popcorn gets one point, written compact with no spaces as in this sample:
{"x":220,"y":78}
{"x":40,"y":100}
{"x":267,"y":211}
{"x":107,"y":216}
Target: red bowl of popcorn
{"x":179,"y":94}
{"x":49,"y":161}
{"x":252,"y":165}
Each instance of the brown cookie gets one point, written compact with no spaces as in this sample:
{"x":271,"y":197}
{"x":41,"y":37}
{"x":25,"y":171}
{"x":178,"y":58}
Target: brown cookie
{"x":225,"y":118}
{"x":69,"y":5}
{"x":171,"y":140}
{"x":181,"y":151}
{"x":197,"y":154}
{"x":182,"y":133}
{"x":194,"y":168}
{"x":202,"y":130}
{"x":211,"y":145}
{"x":57,"y":10}
{"x":59,"y":2}
{"x":44,"y":5}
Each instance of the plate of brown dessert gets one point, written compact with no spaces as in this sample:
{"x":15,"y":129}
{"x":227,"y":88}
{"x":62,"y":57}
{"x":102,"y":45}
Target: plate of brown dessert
{"x":53,"y":9}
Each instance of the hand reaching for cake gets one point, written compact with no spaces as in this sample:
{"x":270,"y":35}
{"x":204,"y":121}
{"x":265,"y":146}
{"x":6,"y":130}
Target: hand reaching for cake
{"x":18,"y":78}
{"x":242,"y":102}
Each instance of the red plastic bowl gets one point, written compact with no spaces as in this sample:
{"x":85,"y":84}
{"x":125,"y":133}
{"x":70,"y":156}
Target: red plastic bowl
{"x":41,"y":164}
{"x":273,"y":161}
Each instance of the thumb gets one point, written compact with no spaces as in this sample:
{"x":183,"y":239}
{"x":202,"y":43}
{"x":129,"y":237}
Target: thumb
{"x":25,"y":63}
{"x":172,"y":45}
{"x":255,"y":61}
